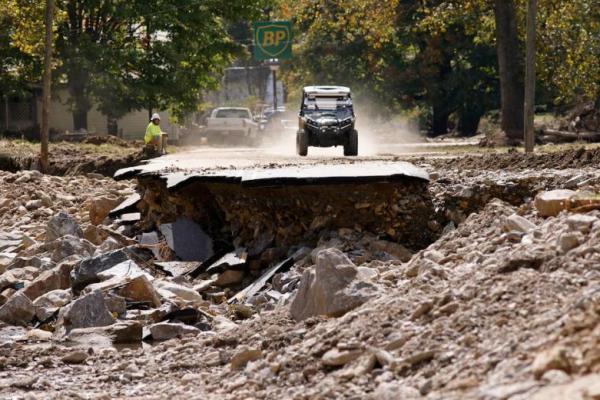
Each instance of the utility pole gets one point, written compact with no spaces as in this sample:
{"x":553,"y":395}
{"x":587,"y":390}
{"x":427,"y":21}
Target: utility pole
{"x":530,"y":77}
{"x":47,"y":82}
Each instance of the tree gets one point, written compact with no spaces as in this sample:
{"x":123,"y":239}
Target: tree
{"x":47,"y":82}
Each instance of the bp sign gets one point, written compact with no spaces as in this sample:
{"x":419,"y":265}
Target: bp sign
{"x":272,"y":40}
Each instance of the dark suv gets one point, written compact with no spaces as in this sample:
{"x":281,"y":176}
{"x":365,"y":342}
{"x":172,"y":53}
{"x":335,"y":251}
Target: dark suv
{"x":326,"y":120}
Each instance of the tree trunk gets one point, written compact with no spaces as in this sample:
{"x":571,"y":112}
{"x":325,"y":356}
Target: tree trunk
{"x":439,"y":125}
{"x":81,"y":104}
{"x":112,"y":126}
{"x":468,"y":122}
{"x":47,"y":83}
{"x":511,"y":69}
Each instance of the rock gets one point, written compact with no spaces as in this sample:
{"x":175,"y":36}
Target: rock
{"x":229,"y":277}
{"x":570,"y":240}
{"x":173,"y":291}
{"x":332,"y":289}
{"x":95,"y":235}
{"x":60,"y":225}
{"x":554,"y":358}
{"x":517,"y":223}
{"x":38,"y":334}
{"x":395,"y":391}
{"x":87,"y":311}
{"x":393,"y":249}
{"x":140,"y":289}
{"x":18,"y":310}
{"x":337,"y":358}
{"x":115,"y":304}
{"x":55,"y":279}
{"x":167,"y":330}
{"x":48,"y":303}
{"x":551,"y":203}
{"x":366,"y":273}
{"x":584,"y":388}
{"x":68,"y":245}
{"x":117,"y":333}
{"x":87,"y":270}
{"x":75,"y":357}
{"x":580,"y":222}
{"x":101,"y":207}
{"x":243,"y":356}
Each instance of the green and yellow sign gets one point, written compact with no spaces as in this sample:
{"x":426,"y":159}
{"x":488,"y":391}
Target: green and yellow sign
{"x":272,"y":40}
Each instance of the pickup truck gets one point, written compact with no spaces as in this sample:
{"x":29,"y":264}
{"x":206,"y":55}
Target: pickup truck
{"x":231,"y":125}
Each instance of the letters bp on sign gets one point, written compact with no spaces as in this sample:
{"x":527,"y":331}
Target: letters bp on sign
{"x":272,"y":40}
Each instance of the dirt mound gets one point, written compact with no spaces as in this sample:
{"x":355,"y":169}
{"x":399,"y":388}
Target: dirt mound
{"x":572,"y":158}
{"x":98,"y":140}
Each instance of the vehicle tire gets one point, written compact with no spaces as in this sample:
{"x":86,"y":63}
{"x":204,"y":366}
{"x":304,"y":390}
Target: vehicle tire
{"x":351,"y":148}
{"x":302,"y":142}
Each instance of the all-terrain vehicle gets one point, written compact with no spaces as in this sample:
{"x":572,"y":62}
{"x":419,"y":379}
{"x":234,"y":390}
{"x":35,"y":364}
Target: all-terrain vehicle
{"x":326,"y":119}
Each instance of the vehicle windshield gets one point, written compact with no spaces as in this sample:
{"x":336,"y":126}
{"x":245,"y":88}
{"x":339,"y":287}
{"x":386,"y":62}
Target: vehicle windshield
{"x":337,"y":107}
{"x":232,"y":113}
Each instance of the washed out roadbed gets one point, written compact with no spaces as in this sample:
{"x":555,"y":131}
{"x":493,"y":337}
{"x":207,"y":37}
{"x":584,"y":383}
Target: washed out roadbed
{"x":504,"y":303}
{"x":103,"y":155}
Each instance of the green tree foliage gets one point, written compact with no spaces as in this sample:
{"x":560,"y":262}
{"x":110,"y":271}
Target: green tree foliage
{"x":135,"y":54}
{"x":440,"y":55}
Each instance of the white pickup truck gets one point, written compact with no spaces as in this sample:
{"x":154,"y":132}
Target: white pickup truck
{"x":231,"y":125}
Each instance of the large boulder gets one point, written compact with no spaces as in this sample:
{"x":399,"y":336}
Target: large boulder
{"x":60,"y":225}
{"x":332,"y":289}
{"x":18,"y":310}
{"x":86,"y":312}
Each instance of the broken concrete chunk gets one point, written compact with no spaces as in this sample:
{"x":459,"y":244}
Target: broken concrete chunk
{"x":18,"y":310}
{"x":178,"y":268}
{"x":332,"y":289}
{"x":261,"y":282}
{"x":128,"y":205}
{"x":188,"y":240}
{"x":87,"y":311}
{"x":167,"y":330}
{"x":235,"y":259}
{"x":60,"y":225}
{"x":126,"y":269}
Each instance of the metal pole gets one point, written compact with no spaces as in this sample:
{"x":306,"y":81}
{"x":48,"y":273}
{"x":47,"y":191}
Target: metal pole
{"x":530,"y":77}
{"x":274,"y":90}
{"x":47,"y":80}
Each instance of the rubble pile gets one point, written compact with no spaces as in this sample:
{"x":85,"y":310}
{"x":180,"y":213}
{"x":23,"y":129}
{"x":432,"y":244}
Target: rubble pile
{"x":504,"y":305}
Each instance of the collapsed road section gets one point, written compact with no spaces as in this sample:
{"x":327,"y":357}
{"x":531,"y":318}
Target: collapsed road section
{"x":262,"y":209}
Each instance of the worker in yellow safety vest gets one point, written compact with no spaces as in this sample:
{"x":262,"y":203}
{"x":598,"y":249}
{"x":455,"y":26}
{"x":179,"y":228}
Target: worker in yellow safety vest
{"x":154,"y":137}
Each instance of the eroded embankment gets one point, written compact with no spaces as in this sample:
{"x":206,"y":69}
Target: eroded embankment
{"x":283,"y":216}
